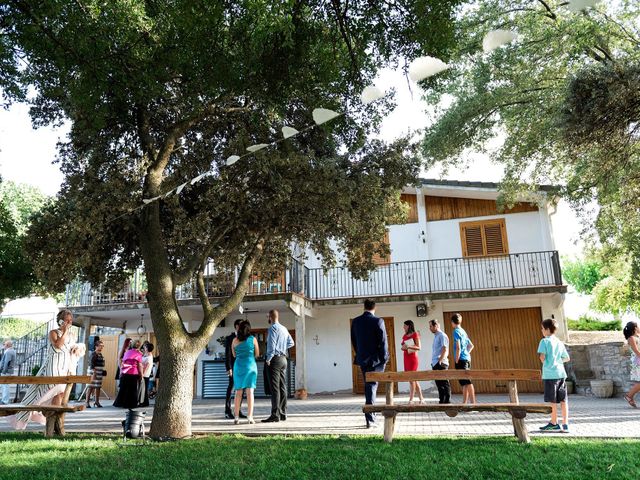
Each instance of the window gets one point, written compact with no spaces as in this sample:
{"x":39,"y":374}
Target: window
{"x":484,"y":238}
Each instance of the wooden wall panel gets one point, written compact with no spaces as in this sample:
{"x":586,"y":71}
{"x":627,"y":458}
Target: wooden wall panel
{"x":411,"y":200}
{"x":505,"y":338}
{"x":447,"y":208}
{"x":377,"y":259}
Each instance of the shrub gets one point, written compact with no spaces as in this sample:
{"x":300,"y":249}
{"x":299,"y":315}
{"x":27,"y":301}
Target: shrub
{"x":585,"y":323}
{"x":14,"y":328}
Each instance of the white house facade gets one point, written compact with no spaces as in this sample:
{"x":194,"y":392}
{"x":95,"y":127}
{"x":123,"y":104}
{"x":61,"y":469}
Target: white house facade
{"x":458,"y":252}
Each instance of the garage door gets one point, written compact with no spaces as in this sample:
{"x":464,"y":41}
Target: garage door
{"x":503,"y":339}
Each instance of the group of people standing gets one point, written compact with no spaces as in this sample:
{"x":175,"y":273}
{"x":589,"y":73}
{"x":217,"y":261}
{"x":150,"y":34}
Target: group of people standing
{"x":135,"y":364}
{"x":241,"y":351}
{"x":370,"y":343}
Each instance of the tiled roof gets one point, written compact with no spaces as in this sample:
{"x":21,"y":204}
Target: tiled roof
{"x":464,"y":183}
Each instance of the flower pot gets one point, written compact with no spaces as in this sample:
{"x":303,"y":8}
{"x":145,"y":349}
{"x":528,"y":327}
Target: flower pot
{"x":301,"y":394}
{"x":570,"y":386}
{"x":602,"y":388}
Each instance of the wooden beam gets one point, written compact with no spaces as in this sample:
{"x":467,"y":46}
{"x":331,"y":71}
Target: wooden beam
{"x":426,"y":375}
{"x":6,"y":410}
{"x":459,"y":407}
{"x":38,"y":380}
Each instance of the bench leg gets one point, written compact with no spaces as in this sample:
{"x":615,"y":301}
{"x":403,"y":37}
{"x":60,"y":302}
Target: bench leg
{"x":520,"y":429}
{"x":55,"y":425}
{"x":389,"y":425}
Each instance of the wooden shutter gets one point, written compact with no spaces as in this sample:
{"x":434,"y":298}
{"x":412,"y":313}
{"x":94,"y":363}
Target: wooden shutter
{"x":488,"y":237}
{"x":494,"y":238}
{"x":412,"y":201}
{"x":472,"y":245}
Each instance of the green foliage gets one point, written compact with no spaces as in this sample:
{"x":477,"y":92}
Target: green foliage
{"x":565,"y":100}
{"x":16,"y":272}
{"x":585,"y":323}
{"x":22,"y":201}
{"x":35,"y":369}
{"x":583,"y":275}
{"x":14,"y":328}
{"x":29,"y":455}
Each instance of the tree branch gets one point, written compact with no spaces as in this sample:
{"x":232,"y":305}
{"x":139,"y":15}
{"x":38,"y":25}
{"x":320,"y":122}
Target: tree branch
{"x":213,"y":316}
{"x":183,"y":274}
{"x":345,"y":35}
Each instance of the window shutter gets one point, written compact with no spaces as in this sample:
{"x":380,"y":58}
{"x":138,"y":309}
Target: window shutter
{"x":412,"y":201}
{"x":494,"y":239}
{"x":473,"y":241}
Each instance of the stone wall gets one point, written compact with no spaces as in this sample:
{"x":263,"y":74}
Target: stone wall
{"x":603,"y":361}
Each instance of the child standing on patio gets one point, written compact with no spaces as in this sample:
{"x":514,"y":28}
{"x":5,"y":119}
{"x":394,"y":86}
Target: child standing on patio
{"x":553,"y":356}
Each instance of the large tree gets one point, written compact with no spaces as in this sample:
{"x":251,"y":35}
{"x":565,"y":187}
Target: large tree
{"x":564,"y":101}
{"x":158,"y":92}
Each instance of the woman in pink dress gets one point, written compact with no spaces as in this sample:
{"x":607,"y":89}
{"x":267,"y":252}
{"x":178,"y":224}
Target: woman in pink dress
{"x":131,"y":392}
{"x":411,"y":345}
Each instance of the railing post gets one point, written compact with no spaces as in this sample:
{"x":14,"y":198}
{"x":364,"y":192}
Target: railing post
{"x":390,"y":287}
{"x":429,"y":276}
{"x":316,"y":296}
{"x":469,"y":270}
{"x":557,"y":273}
{"x":353,"y":290}
{"x":513,"y":280}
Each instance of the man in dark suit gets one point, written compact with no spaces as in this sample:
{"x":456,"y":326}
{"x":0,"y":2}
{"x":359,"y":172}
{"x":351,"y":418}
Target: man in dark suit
{"x":369,"y":340}
{"x":228,"y":362}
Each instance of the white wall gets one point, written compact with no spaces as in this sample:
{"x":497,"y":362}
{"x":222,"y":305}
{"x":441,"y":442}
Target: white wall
{"x":329,"y":361}
{"x":523,"y":234}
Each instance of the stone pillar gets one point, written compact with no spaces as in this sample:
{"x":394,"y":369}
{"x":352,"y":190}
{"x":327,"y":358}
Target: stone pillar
{"x":301,"y":356}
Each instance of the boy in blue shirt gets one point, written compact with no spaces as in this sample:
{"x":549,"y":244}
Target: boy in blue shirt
{"x":553,"y":356}
{"x":462,"y":347}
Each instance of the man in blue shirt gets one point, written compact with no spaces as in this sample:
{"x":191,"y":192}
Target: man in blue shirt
{"x":279,"y":342}
{"x":462,"y":347}
{"x":440,"y":359}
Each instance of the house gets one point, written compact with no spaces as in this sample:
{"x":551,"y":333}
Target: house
{"x":457,"y":252}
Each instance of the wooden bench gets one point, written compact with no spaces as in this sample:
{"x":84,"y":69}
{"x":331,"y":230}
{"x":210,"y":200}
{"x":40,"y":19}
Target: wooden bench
{"x":517,"y":410}
{"x":54,"y":414}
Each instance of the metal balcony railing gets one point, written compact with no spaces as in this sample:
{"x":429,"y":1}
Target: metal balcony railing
{"x":516,"y":270}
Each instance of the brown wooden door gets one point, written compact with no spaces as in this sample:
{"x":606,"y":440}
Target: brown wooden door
{"x":110,"y":354}
{"x":502,"y":339}
{"x":356,"y":374}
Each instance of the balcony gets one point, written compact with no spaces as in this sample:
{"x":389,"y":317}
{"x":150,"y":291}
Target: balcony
{"x":504,"y":272}
{"x":517,"y":270}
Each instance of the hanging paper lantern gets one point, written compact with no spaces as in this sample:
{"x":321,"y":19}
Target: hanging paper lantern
{"x":423,"y":67}
{"x":371,"y":94}
{"x":255,"y":148}
{"x":232,"y":159}
{"x":198,"y":178}
{"x":579,"y":5}
{"x":180,"y":188}
{"x":323,"y":115}
{"x":497,"y":38}
{"x":288,"y":132}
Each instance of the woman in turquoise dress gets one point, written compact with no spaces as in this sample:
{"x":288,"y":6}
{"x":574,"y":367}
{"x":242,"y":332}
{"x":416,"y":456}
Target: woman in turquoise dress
{"x":245,"y":370}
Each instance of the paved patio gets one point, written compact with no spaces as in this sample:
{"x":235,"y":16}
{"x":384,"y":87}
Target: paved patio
{"x":342,"y":415}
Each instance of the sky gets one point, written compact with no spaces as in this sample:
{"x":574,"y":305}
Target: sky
{"x":27,"y":156}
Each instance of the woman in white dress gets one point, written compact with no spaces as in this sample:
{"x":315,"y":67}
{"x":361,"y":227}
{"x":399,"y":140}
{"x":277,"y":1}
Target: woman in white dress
{"x":57,"y":363}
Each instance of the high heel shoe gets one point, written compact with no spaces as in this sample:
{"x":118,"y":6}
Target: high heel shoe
{"x":96,"y":404}
{"x":252,"y":421}
{"x":236,"y":421}
{"x":88,"y":406}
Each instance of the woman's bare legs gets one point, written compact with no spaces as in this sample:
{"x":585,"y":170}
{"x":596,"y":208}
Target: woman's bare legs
{"x":250,"y":404}
{"x":237,"y":401}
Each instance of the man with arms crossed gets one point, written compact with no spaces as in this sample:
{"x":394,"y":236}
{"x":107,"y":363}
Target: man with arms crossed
{"x":440,"y":359}
{"x":369,"y":340}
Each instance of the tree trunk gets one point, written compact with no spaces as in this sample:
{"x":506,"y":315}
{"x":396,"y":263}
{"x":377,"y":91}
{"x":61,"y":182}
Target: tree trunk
{"x":172,"y":412}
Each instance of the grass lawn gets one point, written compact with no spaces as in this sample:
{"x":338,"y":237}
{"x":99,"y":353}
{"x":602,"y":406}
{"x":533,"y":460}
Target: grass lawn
{"x":28,"y":456}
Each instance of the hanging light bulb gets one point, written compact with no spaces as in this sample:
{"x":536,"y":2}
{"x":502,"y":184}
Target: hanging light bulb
{"x":141,"y":329}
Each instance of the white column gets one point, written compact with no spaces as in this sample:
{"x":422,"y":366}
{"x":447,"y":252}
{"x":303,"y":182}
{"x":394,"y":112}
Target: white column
{"x":301,"y":355}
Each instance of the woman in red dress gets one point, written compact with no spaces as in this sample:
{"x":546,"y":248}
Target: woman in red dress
{"x":411,"y":345}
